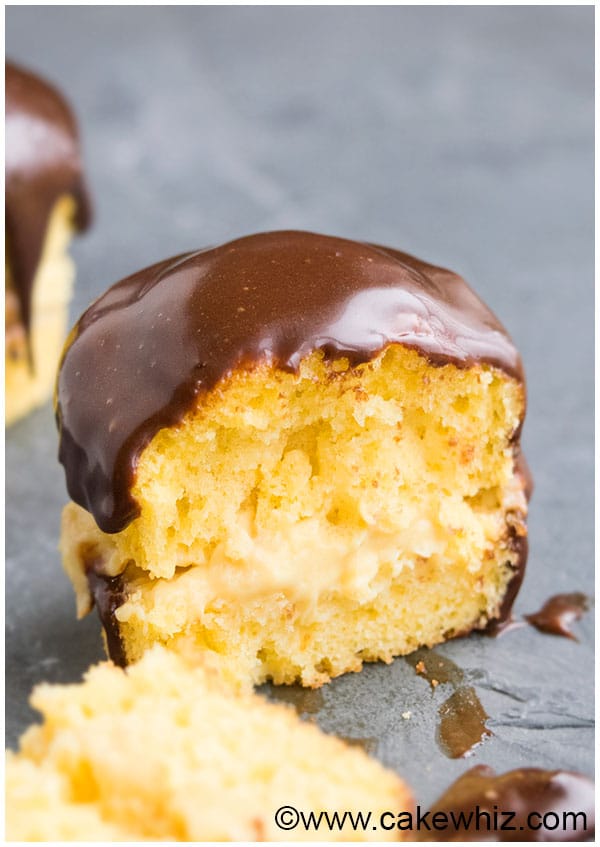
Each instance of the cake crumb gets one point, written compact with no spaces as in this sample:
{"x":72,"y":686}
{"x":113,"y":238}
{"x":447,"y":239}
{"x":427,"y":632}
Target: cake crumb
{"x":420,"y":667}
{"x":434,"y":683}
{"x":406,"y":716}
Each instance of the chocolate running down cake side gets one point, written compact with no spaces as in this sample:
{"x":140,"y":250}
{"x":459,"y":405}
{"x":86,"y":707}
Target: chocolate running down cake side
{"x":46,"y":201}
{"x":296,"y":451}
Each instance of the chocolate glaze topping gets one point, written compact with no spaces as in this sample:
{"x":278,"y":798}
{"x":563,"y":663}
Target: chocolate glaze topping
{"x":145,"y":350}
{"x":528,"y":793}
{"x":42,"y":164}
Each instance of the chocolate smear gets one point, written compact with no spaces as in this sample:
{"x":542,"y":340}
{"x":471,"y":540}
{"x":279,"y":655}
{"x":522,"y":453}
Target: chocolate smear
{"x":497,"y":628}
{"x":559,"y":613}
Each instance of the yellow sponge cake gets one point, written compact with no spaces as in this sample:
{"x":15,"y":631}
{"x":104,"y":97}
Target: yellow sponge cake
{"x":169,"y":752}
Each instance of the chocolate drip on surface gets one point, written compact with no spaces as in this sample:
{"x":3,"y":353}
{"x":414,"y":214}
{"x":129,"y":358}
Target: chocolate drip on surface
{"x":43,"y":163}
{"x":497,"y":628}
{"x":369,"y":745}
{"x":109,"y":593}
{"x":522,"y":792}
{"x":435,"y":668}
{"x":144,"y":351}
{"x":558,"y":614}
{"x":306,"y":701}
{"x":462,"y":723}
{"x":462,"y":716}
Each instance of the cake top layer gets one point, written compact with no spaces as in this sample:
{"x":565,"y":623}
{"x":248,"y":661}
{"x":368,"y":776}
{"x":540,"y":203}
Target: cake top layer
{"x":42,"y":163}
{"x":141,"y":355}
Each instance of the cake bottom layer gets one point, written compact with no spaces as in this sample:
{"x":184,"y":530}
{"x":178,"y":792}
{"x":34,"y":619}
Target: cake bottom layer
{"x":31,"y":362}
{"x":169,"y":751}
{"x":269,"y":636}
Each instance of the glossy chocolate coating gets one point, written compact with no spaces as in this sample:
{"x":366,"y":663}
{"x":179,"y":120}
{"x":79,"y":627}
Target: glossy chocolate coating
{"x":522,"y":792}
{"x":143,"y":352}
{"x":42,"y":164}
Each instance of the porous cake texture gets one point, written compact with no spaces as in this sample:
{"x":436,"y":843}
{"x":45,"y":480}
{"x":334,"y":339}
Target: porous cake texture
{"x":301,"y":525}
{"x":169,"y":751}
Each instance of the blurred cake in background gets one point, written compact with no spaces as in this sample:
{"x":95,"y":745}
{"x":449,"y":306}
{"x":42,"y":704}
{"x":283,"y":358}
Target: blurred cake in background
{"x":171,"y":752}
{"x":46,"y":202}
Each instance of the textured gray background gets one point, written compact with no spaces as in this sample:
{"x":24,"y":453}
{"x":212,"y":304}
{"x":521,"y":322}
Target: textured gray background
{"x":462,"y":134}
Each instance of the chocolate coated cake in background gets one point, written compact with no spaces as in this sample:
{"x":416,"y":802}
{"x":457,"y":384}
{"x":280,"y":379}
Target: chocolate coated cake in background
{"x":297,"y":451}
{"x":46,"y":201}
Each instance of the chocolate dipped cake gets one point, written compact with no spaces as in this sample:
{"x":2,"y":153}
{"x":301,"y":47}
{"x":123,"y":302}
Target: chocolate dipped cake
{"x":46,"y":201}
{"x":172,"y":752}
{"x":296,"y":451}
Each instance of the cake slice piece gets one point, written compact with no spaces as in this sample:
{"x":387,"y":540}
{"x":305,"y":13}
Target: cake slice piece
{"x":46,"y":202}
{"x":165,"y":751}
{"x":296,"y":451}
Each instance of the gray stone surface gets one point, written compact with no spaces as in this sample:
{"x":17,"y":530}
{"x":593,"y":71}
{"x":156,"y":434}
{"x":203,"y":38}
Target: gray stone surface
{"x":462,"y":134}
